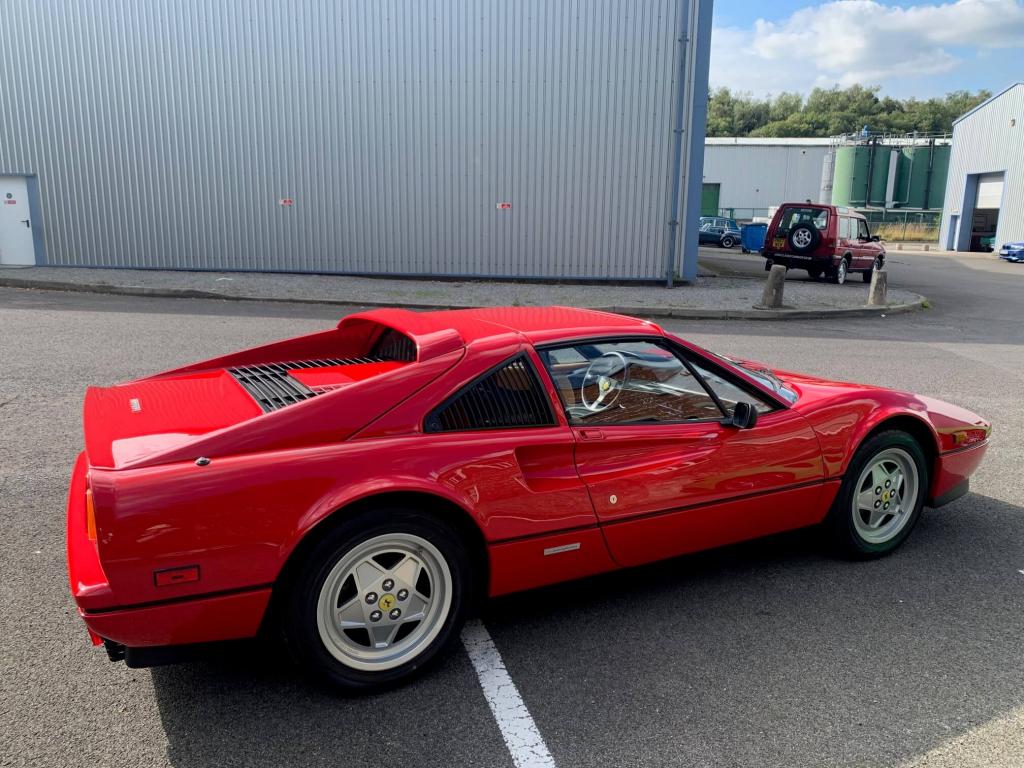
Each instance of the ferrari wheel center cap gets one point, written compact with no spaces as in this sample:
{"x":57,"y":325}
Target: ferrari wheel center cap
{"x":387,"y":602}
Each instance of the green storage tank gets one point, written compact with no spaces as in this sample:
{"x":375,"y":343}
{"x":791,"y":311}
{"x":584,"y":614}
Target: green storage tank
{"x":861,"y":175}
{"x":921,"y":176}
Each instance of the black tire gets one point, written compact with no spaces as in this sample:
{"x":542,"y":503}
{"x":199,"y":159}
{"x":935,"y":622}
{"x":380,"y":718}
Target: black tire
{"x":804,"y":238}
{"x":301,"y":607}
{"x":840,"y":525}
{"x":728,"y":242}
{"x":841,"y":272}
{"x":814,"y":273}
{"x":867,"y":275}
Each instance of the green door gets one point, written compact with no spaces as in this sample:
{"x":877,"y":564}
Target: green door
{"x":709,"y":199}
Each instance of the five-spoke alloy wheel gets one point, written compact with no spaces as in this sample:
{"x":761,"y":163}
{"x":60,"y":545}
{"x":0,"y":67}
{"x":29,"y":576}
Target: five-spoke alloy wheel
{"x":383,"y":601}
{"x":377,"y":598}
{"x":887,"y":494}
{"x":881,"y":497}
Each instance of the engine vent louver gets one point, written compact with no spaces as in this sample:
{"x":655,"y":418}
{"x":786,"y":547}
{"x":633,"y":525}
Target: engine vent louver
{"x":272,"y":387}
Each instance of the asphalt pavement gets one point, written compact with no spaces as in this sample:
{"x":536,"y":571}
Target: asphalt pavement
{"x":770,"y":653}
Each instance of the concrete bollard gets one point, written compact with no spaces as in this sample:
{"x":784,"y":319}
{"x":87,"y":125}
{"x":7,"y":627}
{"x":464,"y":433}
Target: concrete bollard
{"x":877,"y":296}
{"x":772,"y":296}
{"x":927,"y":247}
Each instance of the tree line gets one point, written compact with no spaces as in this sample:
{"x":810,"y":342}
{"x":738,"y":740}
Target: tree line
{"x":833,"y":111}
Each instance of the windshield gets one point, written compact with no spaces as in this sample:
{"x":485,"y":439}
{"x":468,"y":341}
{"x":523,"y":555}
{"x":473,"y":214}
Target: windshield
{"x":764,"y":377}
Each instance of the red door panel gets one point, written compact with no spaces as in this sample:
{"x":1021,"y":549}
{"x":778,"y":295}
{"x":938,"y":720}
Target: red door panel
{"x":643,"y":540}
{"x":647,"y":472}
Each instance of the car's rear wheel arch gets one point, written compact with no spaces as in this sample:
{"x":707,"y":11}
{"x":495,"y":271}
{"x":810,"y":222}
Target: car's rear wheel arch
{"x":443,"y":510}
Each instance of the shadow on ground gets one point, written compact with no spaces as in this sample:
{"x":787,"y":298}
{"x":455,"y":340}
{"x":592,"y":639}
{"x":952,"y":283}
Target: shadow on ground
{"x":767,"y":653}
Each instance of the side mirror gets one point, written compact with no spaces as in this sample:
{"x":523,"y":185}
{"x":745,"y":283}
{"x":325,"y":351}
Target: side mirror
{"x":876,"y":239}
{"x":744,"y":416}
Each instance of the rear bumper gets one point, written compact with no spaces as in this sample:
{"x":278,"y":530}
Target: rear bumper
{"x":794,"y":261}
{"x":183,"y":622}
{"x":952,"y":474}
{"x":204,"y":619}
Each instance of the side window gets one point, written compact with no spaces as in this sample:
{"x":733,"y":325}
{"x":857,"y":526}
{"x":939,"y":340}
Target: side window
{"x":844,"y":227}
{"x":862,"y":229}
{"x":728,"y":393}
{"x":627,"y":382}
{"x":508,"y":397}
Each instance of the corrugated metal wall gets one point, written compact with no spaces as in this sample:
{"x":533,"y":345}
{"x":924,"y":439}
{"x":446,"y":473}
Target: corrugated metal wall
{"x":757,"y":176}
{"x":164,"y":133}
{"x":987,"y":140}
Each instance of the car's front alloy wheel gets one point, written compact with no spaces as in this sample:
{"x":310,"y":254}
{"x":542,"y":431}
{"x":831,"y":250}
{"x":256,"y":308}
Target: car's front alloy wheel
{"x":881,"y":496}
{"x":840,"y":273}
{"x":378,"y":598}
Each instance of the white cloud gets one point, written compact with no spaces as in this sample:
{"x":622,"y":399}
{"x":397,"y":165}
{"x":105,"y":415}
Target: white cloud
{"x":859,"y":41}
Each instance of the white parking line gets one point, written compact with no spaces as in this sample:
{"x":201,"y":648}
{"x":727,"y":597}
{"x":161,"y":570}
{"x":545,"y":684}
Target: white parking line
{"x":521,"y":736}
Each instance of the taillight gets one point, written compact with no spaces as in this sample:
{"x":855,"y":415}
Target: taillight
{"x":90,"y":516}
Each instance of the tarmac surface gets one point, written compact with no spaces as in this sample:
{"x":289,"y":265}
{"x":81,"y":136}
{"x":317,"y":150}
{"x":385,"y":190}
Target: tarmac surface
{"x":769,"y":653}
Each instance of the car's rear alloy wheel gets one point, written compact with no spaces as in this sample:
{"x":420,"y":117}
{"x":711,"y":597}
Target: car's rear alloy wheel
{"x":728,"y":242}
{"x":881,"y":497}
{"x":378,"y":599}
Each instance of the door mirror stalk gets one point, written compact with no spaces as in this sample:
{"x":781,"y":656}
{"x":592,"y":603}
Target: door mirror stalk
{"x":744,"y":416}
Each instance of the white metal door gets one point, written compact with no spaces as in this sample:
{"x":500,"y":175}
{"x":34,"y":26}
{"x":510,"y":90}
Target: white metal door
{"x":990,"y":190}
{"x":16,"y":244}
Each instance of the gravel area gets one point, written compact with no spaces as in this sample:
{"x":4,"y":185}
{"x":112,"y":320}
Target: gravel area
{"x":708,"y":293}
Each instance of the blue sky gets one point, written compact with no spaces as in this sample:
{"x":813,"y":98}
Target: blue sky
{"x":919,"y":49}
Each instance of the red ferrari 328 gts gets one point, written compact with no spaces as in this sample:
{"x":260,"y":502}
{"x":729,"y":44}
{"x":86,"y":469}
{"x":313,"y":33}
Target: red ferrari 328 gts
{"x":359,"y":487}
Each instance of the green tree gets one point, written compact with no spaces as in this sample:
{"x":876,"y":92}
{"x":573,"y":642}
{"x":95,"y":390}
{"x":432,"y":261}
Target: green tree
{"x":833,"y":111}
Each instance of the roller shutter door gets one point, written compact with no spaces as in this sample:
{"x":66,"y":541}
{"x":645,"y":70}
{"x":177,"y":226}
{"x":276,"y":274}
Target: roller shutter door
{"x":990,"y":190}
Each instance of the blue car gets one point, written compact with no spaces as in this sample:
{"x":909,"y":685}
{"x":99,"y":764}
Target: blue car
{"x":1012,"y":252}
{"x":718,"y":230}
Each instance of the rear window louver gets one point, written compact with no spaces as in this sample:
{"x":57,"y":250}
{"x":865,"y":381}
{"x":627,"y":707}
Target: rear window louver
{"x":508,"y":397}
{"x":272,"y":388}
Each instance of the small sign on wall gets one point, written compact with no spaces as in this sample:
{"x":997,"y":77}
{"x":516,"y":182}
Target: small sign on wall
{"x":504,"y":206}
{"x":9,"y":199}
{"x":286,"y":202}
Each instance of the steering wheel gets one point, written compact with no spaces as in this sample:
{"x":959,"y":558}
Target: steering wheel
{"x":607,"y":375}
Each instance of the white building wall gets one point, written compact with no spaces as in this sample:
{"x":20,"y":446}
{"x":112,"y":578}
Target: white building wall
{"x":756,"y":174}
{"x":988,"y":139}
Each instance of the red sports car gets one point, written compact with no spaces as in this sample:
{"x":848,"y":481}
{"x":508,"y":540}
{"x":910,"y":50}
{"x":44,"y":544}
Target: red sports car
{"x":359,"y":487}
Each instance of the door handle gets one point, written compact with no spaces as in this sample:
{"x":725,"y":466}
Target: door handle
{"x":27,"y":223}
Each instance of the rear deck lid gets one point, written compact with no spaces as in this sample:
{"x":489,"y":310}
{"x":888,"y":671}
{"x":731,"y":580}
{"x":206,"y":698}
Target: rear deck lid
{"x":128,"y":422}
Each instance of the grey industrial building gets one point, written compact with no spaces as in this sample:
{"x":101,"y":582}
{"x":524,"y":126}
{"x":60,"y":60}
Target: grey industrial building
{"x":744,"y":178}
{"x":468,"y":138}
{"x":985,"y":189}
